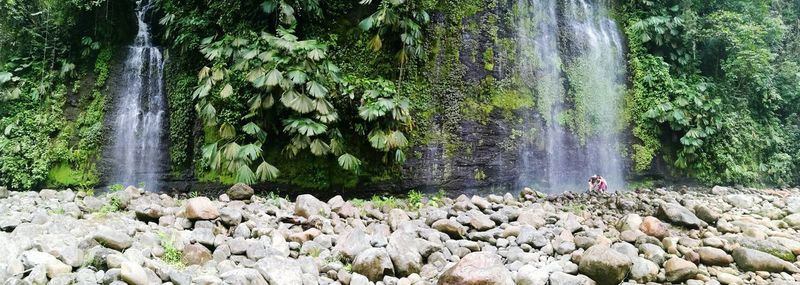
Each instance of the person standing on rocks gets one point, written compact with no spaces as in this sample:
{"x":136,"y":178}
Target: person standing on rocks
{"x":597,"y":184}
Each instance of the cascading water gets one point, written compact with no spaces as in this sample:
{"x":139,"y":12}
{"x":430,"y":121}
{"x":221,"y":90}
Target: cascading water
{"x":572,"y":58}
{"x":139,"y":111}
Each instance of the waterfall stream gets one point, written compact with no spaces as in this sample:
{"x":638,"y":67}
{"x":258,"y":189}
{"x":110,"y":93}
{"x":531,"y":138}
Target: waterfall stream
{"x":572,"y":58}
{"x":139,"y":111}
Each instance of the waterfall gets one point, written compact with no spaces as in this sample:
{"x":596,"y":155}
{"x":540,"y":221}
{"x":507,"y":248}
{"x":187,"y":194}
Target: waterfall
{"x":139,"y":110}
{"x":571,"y":56}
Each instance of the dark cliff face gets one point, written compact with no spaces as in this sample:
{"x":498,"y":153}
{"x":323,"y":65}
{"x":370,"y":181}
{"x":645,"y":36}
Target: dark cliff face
{"x":477,"y":141}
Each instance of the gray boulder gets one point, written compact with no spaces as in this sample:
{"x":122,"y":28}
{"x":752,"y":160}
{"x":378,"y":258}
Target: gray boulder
{"x":404,"y":254}
{"x":280,"y":270}
{"x":643,"y":270}
{"x":477,"y":268}
{"x":307,"y":205}
{"x":604,"y":265}
{"x":679,"y":215}
{"x":679,"y":270}
{"x":200,"y":208}
{"x":754,"y":260}
{"x":113,"y":239}
{"x":374,"y":263}
{"x":240,"y":191}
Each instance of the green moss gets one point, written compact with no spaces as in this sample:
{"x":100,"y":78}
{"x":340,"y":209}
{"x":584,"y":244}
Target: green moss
{"x":488,"y":59}
{"x":63,"y":176}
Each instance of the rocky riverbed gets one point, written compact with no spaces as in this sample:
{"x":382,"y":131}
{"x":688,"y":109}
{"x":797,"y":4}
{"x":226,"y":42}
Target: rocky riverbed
{"x":698,"y":236}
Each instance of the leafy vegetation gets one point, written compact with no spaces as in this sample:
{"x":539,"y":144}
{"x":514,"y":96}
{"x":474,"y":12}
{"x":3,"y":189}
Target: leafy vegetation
{"x":325,"y":94}
{"x":714,"y":88}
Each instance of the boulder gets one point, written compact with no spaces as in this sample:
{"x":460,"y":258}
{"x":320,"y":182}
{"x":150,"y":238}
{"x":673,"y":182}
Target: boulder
{"x":768,"y":246}
{"x":351,"y":244}
{"x":707,"y":214}
{"x":480,"y":221}
{"x":307,"y":205}
{"x":604,"y":265}
{"x":280,"y":270}
{"x":561,"y":278}
{"x":403,"y":251}
{"x":653,"y":227}
{"x":149,"y":212}
{"x":243,"y":276}
{"x":133,"y":274}
{"x":740,"y":200}
{"x":679,"y":270}
{"x":200,"y":208}
{"x":374,"y":263}
{"x":240,"y":191}
{"x":793,"y":220}
{"x":396,"y":216}
{"x":643,"y":270}
{"x":530,"y":275}
{"x":449,"y":227}
{"x":630,"y":222}
{"x":754,"y":260}
{"x":714,"y":256}
{"x":53,"y":267}
{"x":477,"y":268}
{"x":196,"y":254}
{"x":113,"y":239}
{"x":679,"y":215}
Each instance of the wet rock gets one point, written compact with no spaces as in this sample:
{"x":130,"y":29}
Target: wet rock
{"x":679,"y":215}
{"x":604,"y":265}
{"x":478,"y":268}
{"x":240,"y":191}
{"x":200,"y":208}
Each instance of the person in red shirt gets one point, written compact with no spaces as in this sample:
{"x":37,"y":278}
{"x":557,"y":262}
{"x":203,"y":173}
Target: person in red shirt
{"x":597,"y":183}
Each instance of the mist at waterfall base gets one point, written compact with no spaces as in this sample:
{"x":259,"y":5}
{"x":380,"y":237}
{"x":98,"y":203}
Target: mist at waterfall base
{"x":571,"y":56}
{"x":136,"y":150}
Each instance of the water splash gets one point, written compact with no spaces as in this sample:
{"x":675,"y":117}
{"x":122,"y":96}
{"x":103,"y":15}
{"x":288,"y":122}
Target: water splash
{"x":572,"y":57}
{"x":139,"y":111}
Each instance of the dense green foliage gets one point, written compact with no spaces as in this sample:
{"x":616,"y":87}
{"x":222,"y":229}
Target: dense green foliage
{"x":715,"y":87}
{"x":54,"y":61}
{"x":263,"y":84}
{"x":335,"y":93}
